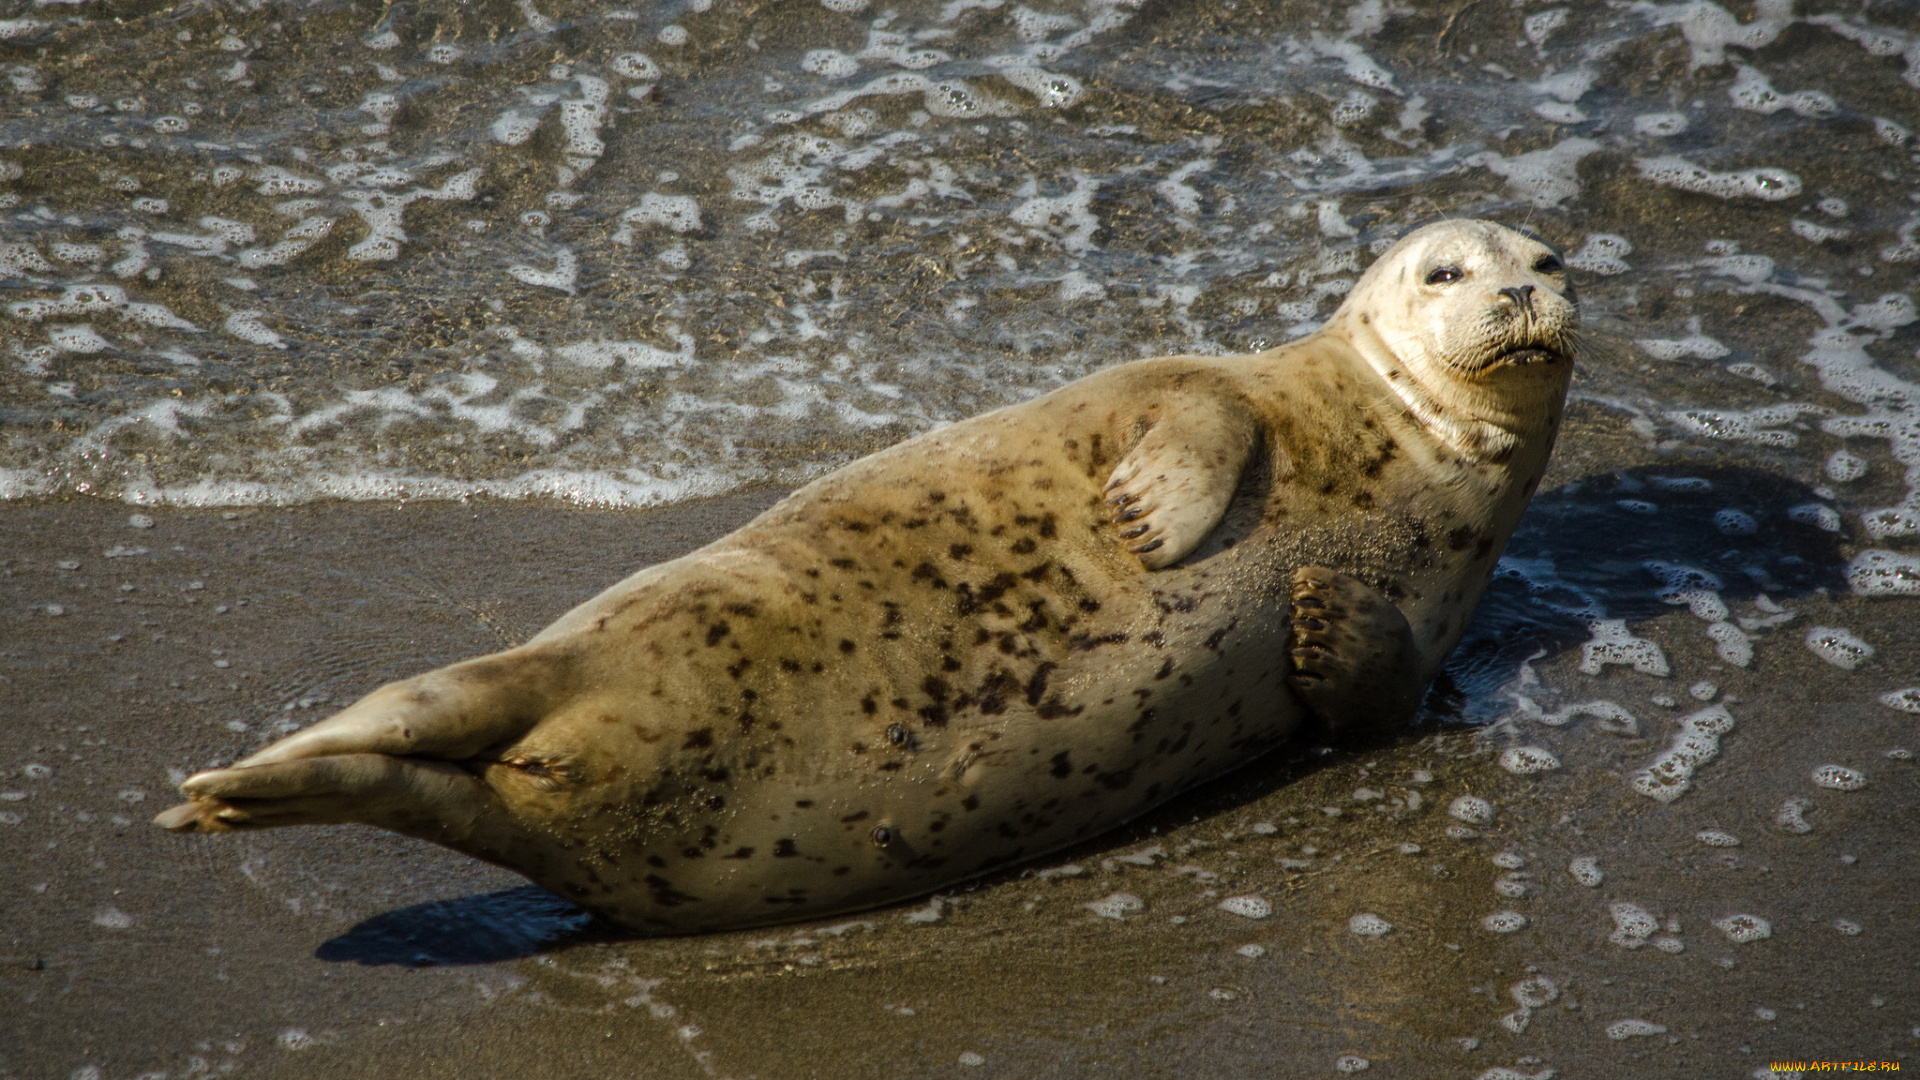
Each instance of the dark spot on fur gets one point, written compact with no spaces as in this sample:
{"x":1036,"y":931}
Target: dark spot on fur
{"x":960,"y":552}
{"x":716,"y":632}
{"x":1037,"y":685}
{"x":1166,"y":669}
{"x":1459,"y":538}
{"x":971,"y":802}
{"x":1062,"y":765}
{"x":846,"y":646}
{"x":665,"y":894}
{"x":784,"y":849}
{"x":1023,"y":546}
{"x":698,"y":740}
{"x":804,"y":804}
{"x":867,"y":706}
{"x":740,"y":853}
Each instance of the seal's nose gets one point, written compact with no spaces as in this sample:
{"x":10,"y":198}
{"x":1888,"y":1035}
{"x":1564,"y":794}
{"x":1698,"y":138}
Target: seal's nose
{"x":1521,"y":295}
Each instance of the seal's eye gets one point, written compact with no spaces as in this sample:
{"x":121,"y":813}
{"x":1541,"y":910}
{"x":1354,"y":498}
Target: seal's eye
{"x":1442,"y":275}
{"x":1548,"y":264}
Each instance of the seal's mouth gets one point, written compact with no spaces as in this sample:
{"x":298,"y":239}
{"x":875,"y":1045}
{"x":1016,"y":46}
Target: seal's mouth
{"x":1516,"y":356}
{"x":1526,"y":354}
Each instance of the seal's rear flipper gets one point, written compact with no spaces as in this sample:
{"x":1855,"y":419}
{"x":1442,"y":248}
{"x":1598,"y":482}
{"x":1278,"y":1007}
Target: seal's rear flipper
{"x":1355,"y":665}
{"x":1172,"y":488}
{"x":433,"y":800}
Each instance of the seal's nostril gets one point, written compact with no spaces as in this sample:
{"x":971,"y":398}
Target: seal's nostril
{"x":1521,"y":295}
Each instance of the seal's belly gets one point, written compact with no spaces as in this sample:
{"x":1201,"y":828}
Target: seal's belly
{"x":1021,"y":729}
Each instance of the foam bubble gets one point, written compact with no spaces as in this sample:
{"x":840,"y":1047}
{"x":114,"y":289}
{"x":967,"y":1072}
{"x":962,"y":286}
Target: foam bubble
{"x":1471,"y":809}
{"x":1351,"y":1063}
{"x":1613,"y":644}
{"x":1252,"y":952}
{"x":1792,"y":816}
{"x":1610,"y":716}
{"x":1545,"y":178}
{"x":1117,"y":906}
{"x":1522,"y":760}
{"x":565,"y":272}
{"x":1847,"y":927}
{"x":1367,"y":924}
{"x":1621,"y":1030}
{"x":1772,"y":185}
{"x":1717,"y":838}
{"x":112,"y":918}
{"x":1504,"y":922}
{"x":1744,"y":929}
{"x":246,"y":326}
{"x":636,"y":66}
{"x":1907,"y":700}
{"x":1838,"y":646}
{"x":1603,"y":254}
{"x":1660,"y":125}
{"x":1754,"y":92}
{"x":1844,"y":466}
{"x":1696,"y":345}
{"x":1252,"y":907}
{"x":1537,"y":992}
{"x":678,"y":213}
{"x":1839,"y":778}
{"x":1877,"y":572}
{"x":277,"y":183}
{"x":1632,"y":924}
{"x":1695,"y":744}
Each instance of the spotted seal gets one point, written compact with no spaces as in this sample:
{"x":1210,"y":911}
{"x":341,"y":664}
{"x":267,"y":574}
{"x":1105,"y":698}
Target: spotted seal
{"x":992,"y":640}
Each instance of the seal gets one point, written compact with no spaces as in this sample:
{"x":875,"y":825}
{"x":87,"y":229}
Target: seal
{"x":994,"y":639}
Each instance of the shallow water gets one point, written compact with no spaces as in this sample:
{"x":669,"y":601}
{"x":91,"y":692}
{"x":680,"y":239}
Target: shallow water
{"x":277,"y":253}
{"x":270,"y":252}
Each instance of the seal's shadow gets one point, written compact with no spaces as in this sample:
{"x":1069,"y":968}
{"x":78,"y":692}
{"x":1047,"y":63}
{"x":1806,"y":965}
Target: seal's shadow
{"x":1609,"y":545}
{"x":485,"y":929}
{"x":1594,"y":548}
{"x":1622,"y":545}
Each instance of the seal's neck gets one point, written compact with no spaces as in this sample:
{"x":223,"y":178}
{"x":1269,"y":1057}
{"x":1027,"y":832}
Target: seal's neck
{"x":1484,"y":422}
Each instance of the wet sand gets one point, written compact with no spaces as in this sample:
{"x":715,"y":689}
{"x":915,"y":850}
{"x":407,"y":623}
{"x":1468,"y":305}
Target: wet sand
{"x":345,"y":952}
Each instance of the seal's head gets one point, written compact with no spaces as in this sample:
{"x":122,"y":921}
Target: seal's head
{"x":1474,"y":325}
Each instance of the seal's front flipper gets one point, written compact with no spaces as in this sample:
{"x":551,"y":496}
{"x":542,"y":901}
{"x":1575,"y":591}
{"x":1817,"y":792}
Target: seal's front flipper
{"x":1172,"y":488}
{"x":1355,"y":665}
